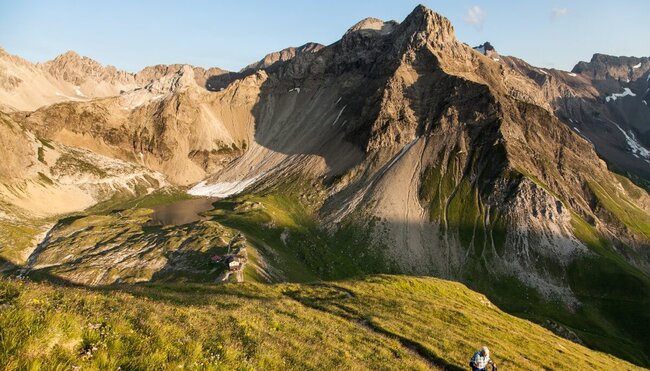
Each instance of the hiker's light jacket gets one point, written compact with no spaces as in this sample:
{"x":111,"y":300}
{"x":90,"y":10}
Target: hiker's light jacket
{"x":479,"y":360}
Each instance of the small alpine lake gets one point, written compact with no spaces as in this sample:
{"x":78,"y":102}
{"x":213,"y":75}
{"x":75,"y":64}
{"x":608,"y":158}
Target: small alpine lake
{"x":181,"y":212}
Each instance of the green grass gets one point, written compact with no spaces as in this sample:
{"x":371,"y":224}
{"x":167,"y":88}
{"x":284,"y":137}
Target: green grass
{"x":378,"y":322}
{"x":15,"y":238}
{"x":119,"y":245}
{"x":69,"y":163}
{"x":614,"y":294}
{"x":599,"y":281}
{"x":614,"y":297}
{"x":623,"y":209}
{"x":309,"y":252}
{"x":126,"y":200}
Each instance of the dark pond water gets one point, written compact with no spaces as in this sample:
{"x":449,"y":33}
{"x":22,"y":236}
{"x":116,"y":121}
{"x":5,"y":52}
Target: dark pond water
{"x":181,"y":212}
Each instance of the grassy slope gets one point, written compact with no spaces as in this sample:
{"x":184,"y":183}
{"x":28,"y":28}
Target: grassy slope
{"x":18,"y":236}
{"x":615,"y":296}
{"x":308,"y":252}
{"x":380,"y":322}
{"x":311,"y":254}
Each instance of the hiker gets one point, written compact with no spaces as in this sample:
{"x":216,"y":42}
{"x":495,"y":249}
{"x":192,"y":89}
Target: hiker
{"x":481,"y":359}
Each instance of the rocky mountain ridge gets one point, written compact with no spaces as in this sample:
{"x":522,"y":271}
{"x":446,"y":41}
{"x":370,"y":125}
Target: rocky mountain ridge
{"x":26,"y":86}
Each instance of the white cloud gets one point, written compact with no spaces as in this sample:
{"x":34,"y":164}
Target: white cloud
{"x":475,"y":16}
{"x":559,"y":13}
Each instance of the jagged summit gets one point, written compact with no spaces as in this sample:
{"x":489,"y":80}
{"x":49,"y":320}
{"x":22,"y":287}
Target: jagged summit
{"x":76,"y":69}
{"x":422,"y":23}
{"x":281,"y":56}
{"x":485,"y":48}
{"x":603,"y":66}
{"x":69,"y":54}
{"x":72,"y":57}
{"x":425,"y":20}
{"x":373,"y":25}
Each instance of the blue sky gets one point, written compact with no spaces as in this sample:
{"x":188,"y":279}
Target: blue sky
{"x":231,"y":34}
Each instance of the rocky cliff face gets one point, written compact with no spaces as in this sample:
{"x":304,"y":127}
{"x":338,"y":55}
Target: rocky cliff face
{"x":25,"y":86}
{"x":169,"y":125}
{"x":40,"y":177}
{"x":604,"y":101}
{"x":277,"y":58}
{"x":388,"y":98}
{"x":78,"y":70}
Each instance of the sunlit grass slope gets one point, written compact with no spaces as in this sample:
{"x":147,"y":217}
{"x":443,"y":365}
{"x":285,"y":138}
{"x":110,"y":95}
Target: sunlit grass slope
{"x":379,"y":322}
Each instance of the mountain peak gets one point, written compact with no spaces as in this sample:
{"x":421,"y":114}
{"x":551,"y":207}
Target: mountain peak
{"x":487,"y":49}
{"x":70,"y":54}
{"x":484,"y":48}
{"x":603,"y":67}
{"x":371,"y":27}
{"x":421,"y":9}
{"x":372,"y":24}
{"x":77,"y":69}
{"x":278,"y":57}
{"x":424,"y":20}
{"x":71,"y":57}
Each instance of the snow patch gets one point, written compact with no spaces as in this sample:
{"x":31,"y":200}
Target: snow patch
{"x":78,"y":91}
{"x":222,"y":189}
{"x":69,"y":97}
{"x":626,"y":92}
{"x":399,"y":155}
{"x":635,"y":147}
{"x":636,"y":66}
{"x":644,"y":102}
{"x":337,"y":101}
{"x":576,"y":129}
{"x":542,"y":71}
{"x":339,"y":115}
{"x":495,"y":59}
{"x":572,"y":74}
{"x":297,"y":90}
{"x":284,"y":236}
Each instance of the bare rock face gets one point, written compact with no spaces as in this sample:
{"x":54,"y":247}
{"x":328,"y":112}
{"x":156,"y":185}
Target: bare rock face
{"x":77,"y":70}
{"x":150,"y":74}
{"x":604,"y":101}
{"x":39,"y":177}
{"x":275,"y":58}
{"x":17,"y":150}
{"x":25,"y":86}
{"x":438,"y":112}
{"x":171,"y":125}
{"x":604,"y":67}
{"x":488,"y":50}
